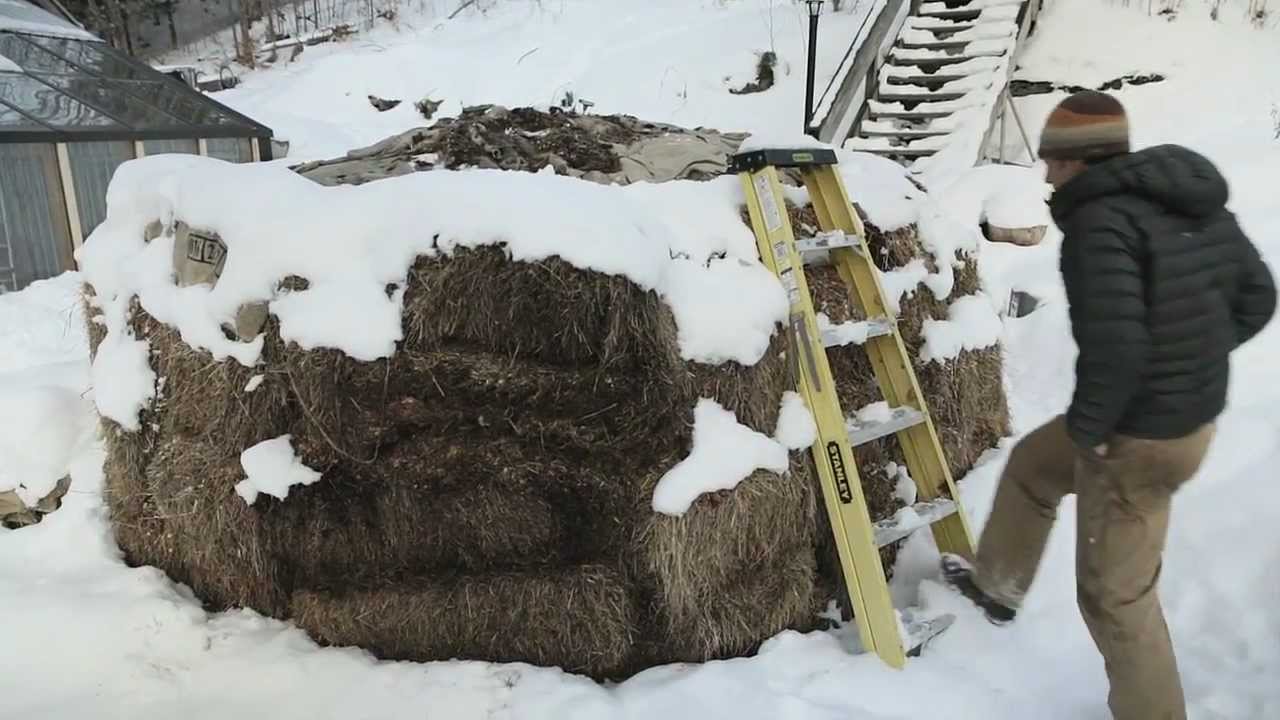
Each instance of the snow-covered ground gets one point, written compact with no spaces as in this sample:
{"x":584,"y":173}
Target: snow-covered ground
{"x":84,"y":636}
{"x":660,"y":60}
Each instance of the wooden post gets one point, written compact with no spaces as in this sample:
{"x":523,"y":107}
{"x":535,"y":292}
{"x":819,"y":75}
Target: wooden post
{"x":69,"y":199}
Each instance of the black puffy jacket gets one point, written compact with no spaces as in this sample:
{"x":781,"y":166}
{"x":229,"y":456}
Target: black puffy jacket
{"x":1162,"y":284}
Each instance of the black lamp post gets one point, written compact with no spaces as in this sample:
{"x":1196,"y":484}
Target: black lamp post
{"x":815,"y":9}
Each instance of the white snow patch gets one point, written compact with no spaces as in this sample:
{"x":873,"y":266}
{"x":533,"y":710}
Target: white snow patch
{"x":7,"y":65}
{"x":849,"y":332}
{"x":1003,"y":195}
{"x":41,"y":431}
{"x":971,"y":324}
{"x":782,"y":140}
{"x":875,"y":413}
{"x":271,"y":467}
{"x":904,"y":487}
{"x":882,"y":188}
{"x":254,"y":383}
{"x":725,"y":452}
{"x":121,"y":373}
{"x":902,"y":281}
{"x":796,"y":429}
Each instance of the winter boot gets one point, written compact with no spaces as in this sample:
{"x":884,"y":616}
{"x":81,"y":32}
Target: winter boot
{"x":958,"y":573}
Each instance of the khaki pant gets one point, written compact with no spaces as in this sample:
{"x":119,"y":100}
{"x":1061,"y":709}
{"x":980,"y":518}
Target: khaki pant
{"x":1123,"y":517}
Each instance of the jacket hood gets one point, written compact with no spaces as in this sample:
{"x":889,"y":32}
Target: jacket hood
{"x":1178,"y":179}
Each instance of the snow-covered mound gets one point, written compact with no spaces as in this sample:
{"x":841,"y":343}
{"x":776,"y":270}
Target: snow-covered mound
{"x":479,"y":390}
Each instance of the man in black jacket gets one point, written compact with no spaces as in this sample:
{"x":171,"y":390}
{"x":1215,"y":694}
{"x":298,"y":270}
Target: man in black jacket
{"x":1162,"y":285}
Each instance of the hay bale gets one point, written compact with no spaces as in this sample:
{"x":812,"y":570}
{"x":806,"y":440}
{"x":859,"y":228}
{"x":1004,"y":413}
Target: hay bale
{"x":724,"y":536}
{"x":486,"y":491}
{"x":739,"y":615}
{"x":473,"y":453}
{"x":579,"y":619}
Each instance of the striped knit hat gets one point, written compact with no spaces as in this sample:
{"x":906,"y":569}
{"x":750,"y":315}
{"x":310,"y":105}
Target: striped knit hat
{"x":1088,"y":125}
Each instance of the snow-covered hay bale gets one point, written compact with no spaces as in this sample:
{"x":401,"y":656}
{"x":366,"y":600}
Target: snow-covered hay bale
{"x":485,"y":488}
{"x":490,"y":415}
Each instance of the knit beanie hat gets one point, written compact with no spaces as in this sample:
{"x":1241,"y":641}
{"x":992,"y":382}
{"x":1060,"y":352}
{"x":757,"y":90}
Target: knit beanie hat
{"x":1088,"y":125}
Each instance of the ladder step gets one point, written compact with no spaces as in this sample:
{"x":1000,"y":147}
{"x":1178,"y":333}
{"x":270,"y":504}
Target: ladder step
{"x":855,"y":333}
{"x":752,"y":160}
{"x":919,"y":631}
{"x":862,"y":432}
{"x":910,"y":519}
{"x":825,"y":241}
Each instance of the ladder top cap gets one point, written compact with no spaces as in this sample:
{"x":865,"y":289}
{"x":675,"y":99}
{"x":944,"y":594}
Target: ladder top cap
{"x":781,"y":157}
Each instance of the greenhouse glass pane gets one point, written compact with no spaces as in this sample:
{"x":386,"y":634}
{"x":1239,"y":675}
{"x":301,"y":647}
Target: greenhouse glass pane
{"x":31,"y":58}
{"x":236,"y":150}
{"x":175,"y":102}
{"x":92,"y":166}
{"x":92,"y":56}
{"x":35,"y":239}
{"x":49,"y":106}
{"x":161,"y":147}
{"x":13,"y":120}
{"x":114,"y":99}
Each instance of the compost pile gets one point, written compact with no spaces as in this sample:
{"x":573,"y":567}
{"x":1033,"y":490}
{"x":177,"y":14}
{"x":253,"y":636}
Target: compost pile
{"x":486,"y":492}
{"x":617,"y":149}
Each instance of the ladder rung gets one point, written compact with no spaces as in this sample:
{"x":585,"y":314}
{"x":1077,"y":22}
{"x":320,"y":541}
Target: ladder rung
{"x":911,"y":519}
{"x":919,"y":631}
{"x":825,"y":241}
{"x":856,"y":333}
{"x":753,"y":160}
{"x":900,"y":418}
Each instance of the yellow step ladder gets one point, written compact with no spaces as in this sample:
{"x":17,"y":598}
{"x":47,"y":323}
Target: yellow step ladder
{"x":857,"y":539}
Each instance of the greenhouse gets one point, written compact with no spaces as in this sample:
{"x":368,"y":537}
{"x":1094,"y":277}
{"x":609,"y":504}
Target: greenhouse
{"x":72,"y":110}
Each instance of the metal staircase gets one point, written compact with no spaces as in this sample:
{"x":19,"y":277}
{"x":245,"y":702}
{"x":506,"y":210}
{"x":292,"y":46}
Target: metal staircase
{"x":941,"y":84}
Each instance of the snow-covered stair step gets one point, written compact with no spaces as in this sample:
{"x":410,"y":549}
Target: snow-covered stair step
{"x":897,"y":154}
{"x":961,"y":77}
{"x":971,"y":4}
{"x":862,"y":432}
{"x":950,"y":13}
{"x":935,"y":63}
{"x":873,"y":129}
{"x":950,"y":45}
{"x":994,"y":47}
{"x":914,"y":97}
{"x":912,"y":518}
{"x":926,"y":39}
{"x":930,"y":143}
{"x":956,"y":71}
{"x":969,"y":13}
{"x":890,"y":112}
{"x":925,"y":30}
